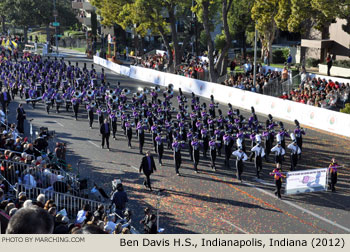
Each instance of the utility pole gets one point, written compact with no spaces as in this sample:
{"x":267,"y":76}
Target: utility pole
{"x":255,"y":55}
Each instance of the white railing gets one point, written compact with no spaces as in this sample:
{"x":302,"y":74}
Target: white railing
{"x":72,"y":204}
{"x":43,"y":176}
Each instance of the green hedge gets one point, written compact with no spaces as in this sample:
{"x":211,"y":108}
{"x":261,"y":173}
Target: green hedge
{"x":346,"y":109}
{"x":311,"y":62}
{"x":279,"y":56}
{"x":342,"y":63}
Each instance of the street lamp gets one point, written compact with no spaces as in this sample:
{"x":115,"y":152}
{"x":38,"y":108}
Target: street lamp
{"x":255,"y":55}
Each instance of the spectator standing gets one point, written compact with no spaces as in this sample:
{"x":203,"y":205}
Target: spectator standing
{"x":21,"y":116}
{"x":151,"y":227}
{"x":329,"y":61}
{"x":289,"y":61}
{"x":285,"y":74}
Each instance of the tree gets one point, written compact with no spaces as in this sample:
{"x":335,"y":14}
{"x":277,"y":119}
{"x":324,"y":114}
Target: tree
{"x":264,"y":13}
{"x":93,"y":23}
{"x":156,"y":16}
{"x":3,"y":16}
{"x":295,"y":16}
{"x":240,"y":21}
{"x":26,"y":13}
{"x":207,"y":12}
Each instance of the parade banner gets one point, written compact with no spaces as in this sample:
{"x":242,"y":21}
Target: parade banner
{"x":319,"y":118}
{"x":306,"y":181}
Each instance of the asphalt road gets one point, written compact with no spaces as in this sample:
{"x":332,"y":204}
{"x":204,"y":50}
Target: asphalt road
{"x":207,"y":202}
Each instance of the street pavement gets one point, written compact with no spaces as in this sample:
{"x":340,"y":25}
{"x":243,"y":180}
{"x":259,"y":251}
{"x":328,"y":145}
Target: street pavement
{"x":207,"y":202}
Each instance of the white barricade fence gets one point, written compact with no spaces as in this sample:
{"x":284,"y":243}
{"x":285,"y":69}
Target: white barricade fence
{"x":276,"y":69}
{"x":189,"y":85}
{"x":120,"y":69}
{"x":147,"y":75}
{"x":306,"y":181}
{"x":324,"y":119}
{"x":124,"y":70}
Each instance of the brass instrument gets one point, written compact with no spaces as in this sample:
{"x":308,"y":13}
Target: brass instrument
{"x":90,"y":93}
{"x":126,"y":91}
{"x":77,"y":94}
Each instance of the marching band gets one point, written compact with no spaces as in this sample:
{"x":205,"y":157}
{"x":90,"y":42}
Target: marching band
{"x":191,"y":124}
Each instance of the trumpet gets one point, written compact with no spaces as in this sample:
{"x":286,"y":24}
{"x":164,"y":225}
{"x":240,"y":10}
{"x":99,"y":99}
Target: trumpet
{"x":90,"y":93}
{"x":114,"y":98}
{"x":126,"y":91}
{"x":77,"y":94}
{"x":110,"y":92}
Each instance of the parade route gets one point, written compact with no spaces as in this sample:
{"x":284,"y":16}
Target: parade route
{"x":210,"y":201}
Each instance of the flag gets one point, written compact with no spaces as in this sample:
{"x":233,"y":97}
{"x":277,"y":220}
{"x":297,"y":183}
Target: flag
{"x":15,"y":45}
{"x":7,"y":45}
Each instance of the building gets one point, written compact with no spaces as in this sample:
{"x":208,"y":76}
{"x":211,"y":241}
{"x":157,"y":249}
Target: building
{"x":84,"y":12}
{"x":333,"y":40}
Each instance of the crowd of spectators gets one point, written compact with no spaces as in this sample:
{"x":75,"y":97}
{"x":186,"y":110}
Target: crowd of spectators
{"x":29,"y":164}
{"x":191,"y":66}
{"x":41,"y":216}
{"x":198,"y":67}
{"x":245,"y":81}
{"x":320,"y":93}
